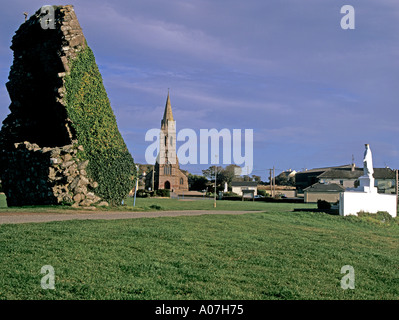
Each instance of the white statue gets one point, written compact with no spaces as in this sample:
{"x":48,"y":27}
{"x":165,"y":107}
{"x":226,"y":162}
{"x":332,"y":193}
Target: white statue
{"x":366,"y":197}
{"x":368,"y":162}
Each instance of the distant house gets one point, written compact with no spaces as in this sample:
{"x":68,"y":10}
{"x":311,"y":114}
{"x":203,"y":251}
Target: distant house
{"x":238,"y":186}
{"x":384,"y":178}
{"x":321,"y":191}
{"x":304,"y":179}
{"x":346,"y":176}
{"x":288,"y":191}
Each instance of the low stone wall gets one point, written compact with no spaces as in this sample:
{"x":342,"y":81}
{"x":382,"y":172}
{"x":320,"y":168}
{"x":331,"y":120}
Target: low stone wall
{"x":49,"y":176}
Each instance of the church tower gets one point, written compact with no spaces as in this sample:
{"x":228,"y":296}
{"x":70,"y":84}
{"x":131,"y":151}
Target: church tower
{"x":167,"y":170}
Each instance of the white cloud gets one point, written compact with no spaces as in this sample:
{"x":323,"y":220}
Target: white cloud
{"x":160,"y":35}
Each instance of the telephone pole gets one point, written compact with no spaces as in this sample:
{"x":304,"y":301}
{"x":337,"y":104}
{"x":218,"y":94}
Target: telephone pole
{"x":137,"y":185}
{"x":272,"y":182}
{"x":153,"y":169}
{"x":216,"y":170}
{"x":397,"y":187}
{"x":270,"y":178}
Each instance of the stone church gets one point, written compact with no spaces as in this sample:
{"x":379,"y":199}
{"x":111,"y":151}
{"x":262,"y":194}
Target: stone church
{"x":167,"y":173}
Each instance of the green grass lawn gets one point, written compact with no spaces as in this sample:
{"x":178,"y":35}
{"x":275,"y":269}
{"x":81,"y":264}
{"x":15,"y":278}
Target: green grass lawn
{"x":173,"y":204}
{"x":275,"y":254}
{"x":151,"y":204}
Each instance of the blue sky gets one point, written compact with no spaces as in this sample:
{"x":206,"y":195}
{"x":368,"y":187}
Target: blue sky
{"x":313,"y":93}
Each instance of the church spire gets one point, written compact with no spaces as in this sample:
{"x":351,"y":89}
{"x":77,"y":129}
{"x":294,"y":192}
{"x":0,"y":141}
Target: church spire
{"x":168,"y":115}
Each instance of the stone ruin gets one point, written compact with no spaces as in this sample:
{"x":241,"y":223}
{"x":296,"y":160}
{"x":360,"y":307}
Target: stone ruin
{"x":50,"y":176}
{"x":38,"y":145}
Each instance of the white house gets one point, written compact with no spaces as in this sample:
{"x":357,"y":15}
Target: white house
{"x":238,"y":186}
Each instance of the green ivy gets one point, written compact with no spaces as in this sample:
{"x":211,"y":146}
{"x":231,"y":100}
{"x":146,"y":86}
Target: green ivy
{"x":88,"y":107}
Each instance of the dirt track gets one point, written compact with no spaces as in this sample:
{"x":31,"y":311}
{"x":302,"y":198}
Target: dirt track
{"x":12,"y":218}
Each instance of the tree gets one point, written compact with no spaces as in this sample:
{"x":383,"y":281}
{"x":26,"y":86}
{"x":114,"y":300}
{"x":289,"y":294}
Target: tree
{"x":224,"y":175}
{"x":284,"y":180}
{"x":210,"y":172}
{"x":197,"y":183}
{"x":228,"y":174}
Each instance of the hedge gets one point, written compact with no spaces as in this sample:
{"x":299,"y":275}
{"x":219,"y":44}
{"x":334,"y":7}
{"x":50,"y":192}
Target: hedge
{"x":163,"y":192}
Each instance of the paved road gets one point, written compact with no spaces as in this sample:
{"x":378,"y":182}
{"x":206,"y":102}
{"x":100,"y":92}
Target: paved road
{"x":12,"y":218}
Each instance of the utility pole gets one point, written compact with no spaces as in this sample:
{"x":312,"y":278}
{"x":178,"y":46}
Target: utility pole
{"x":137,"y":185}
{"x":153,"y":169}
{"x":271,"y":183}
{"x":274,"y":182}
{"x":397,"y":186}
{"x":216,"y":170}
{"x":214,"y":202}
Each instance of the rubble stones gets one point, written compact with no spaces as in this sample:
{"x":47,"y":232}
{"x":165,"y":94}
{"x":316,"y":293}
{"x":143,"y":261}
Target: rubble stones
{"x":48,"y":179}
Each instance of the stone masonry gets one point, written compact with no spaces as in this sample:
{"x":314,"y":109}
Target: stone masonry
{"x":38,"y":146}
{"x":51,"y":176}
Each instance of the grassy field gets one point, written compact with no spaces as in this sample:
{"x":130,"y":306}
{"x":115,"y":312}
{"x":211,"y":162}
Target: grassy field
{"x":273,"y":254}
{"x":151,"y":204}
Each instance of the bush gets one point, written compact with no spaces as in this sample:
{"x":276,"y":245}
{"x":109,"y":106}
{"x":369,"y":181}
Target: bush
{"x":141,"y":193}
{"x":381,"y":216}
{"x":95,"y":128}
{"x":322,"y":204}
{"x":163,"y":193}
{"x":230,"y":194}
{"x":262,"y":193}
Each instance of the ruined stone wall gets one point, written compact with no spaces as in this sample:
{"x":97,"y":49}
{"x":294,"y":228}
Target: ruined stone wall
{"x":50,"y":176}
{"x":36,"y":81}
{"x":38,"y":143}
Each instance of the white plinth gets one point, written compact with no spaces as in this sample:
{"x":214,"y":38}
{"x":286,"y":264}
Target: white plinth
{"x":366,"y":184}
{"x":351,"y":202}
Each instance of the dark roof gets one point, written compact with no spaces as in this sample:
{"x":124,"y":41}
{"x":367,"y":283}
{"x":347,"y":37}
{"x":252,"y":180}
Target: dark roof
{"x":244,"y":184}
{"x":379,"y":173}
{"x":342,"y":174}
{"x":346,"y":166}
{"x":321,"y":187}
{"x":384,"y":173}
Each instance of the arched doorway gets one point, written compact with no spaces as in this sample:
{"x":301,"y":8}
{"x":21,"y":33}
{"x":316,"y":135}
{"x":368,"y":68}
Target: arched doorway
{"x":167,"y":185}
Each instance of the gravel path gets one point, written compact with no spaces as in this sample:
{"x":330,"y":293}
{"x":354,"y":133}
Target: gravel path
{"x":25,"y":217}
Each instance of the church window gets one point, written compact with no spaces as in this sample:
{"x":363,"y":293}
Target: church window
{"x":167,"y":170}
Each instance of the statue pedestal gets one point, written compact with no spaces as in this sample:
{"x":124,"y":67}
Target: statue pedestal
{"x":366,"y":197}
{"x":366,"y":184}
{"x":352,"y":202}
